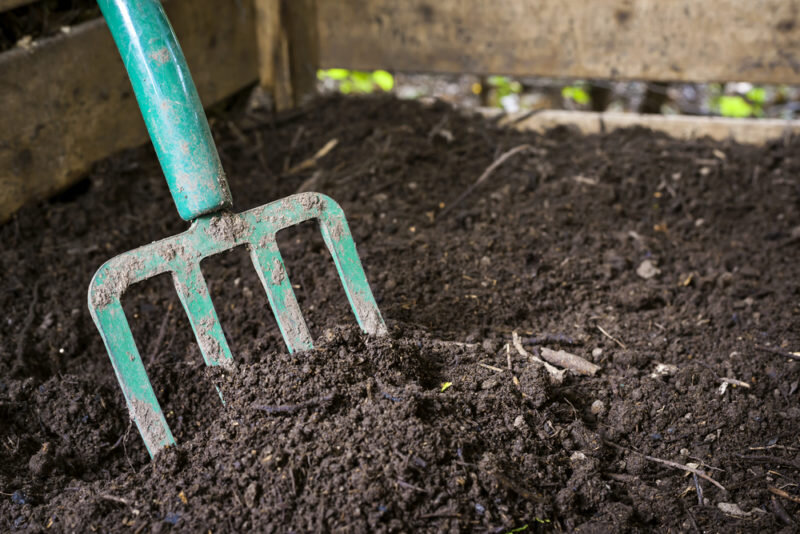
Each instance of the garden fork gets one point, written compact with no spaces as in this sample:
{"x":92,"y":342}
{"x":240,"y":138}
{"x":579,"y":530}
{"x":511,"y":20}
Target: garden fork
{"x":179,"y":130}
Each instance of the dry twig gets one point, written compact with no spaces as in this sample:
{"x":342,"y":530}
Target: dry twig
{"x":668,"y":463}
{"x":781,"y":493}
{"x":310,"y":162}
{"x":488,"y":172}
{"x":557,"y":375}
{"x":570,"y":361}
{"x":734,"y":382}
{"x":612,"y":338}
{"x":491,"y":367}
{"x":406,"y":485}
{"x":779,"y":352}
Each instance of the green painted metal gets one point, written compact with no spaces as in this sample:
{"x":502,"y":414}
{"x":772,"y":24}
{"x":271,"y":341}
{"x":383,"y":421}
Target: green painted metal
{"x":170,"y":105}
{"x":180,"y":255}
{"x":180,"y":133}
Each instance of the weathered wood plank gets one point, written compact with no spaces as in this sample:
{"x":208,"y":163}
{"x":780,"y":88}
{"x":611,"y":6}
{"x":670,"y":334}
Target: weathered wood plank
{"x":301,"y":30}
{"x":67,"y":101}
{"x":274,"y":68}
{"x":746,"y":131}
{"x":8,"y":5}
{"x":669,"y":40}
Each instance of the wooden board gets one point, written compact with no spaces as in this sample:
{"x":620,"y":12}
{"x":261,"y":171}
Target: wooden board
{"x":274,"y":71}
{"x":8,"y":5}
{"x":288,"y":50}
{"x":67,"y":101}
{"x":746,"y":131}
{"x":669,"y":40}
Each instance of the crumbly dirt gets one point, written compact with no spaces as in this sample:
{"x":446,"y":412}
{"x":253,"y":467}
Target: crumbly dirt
{"x":24,"y":25}
{"x":441,"y":425}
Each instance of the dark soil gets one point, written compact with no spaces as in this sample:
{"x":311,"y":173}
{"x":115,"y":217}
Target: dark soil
{"x":43,"y":18}
{"x":361,"y":434}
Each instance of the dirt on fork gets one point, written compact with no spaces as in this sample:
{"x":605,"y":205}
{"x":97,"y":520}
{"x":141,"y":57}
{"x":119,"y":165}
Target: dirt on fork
{"x":672,"y":265}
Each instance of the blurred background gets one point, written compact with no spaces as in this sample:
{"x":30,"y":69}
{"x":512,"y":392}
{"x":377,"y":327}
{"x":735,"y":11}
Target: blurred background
{"x":22,"y":25}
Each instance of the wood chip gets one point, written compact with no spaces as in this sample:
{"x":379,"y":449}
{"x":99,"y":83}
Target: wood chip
{"x":569,"y":361}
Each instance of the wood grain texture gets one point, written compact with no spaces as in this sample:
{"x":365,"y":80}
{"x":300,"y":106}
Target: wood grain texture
{"x":288,"y":50}
{"x":274,"y":70}
{"x":746,"y":131}
{"x":299,"y":18}
{"x":667,"y":40}
{"x":67,"y":102}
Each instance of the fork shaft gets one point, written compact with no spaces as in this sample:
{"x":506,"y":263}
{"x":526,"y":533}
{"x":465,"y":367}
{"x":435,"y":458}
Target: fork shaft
{"x":170,"y":105}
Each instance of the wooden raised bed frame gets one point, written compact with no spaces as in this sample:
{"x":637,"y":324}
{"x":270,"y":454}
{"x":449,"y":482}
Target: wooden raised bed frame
{"x":66,"y":102}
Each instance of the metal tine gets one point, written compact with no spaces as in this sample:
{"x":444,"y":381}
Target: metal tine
{"x":272,"y":272}
{"x":127,"y":362}
{"x":339,"y":240}
{"x":194,"y":295}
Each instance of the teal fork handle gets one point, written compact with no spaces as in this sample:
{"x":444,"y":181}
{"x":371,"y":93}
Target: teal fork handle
{"x":170,"y":105}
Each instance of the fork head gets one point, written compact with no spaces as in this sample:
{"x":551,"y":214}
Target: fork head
{"x":180,"y":255}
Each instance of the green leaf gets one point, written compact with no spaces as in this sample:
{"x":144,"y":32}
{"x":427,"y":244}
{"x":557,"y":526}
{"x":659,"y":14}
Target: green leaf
{"x":346,"y":87}
{"x":383,"y":79}
{"x":734,"y":106}
{"x":518,"y":529}
{"x":576,"y":94}
{"x":757,"y":95}
{"x":446,"y":385}
{"x":337,"y":74}
{"x":362,"y":81}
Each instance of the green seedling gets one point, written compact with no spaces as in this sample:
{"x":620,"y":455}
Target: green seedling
{"x":356,"y":81}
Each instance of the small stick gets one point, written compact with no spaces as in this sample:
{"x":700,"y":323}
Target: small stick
{"x":410,"y":486}
{"x":674,"y":465}
{"x":558,"y":375}
{"x":310,"y":162}
{"x":734,"y":382}
{"x":570,"y":361}
{"x":489,"y":170}
{"x":508,"y":356}
{"x":612,"y":338}
{"x":698,"y":488}
{"x":292,"y":408}
{"x":780,"y":493}
{"x":492,"y":367}
{"x":779,"y":352}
